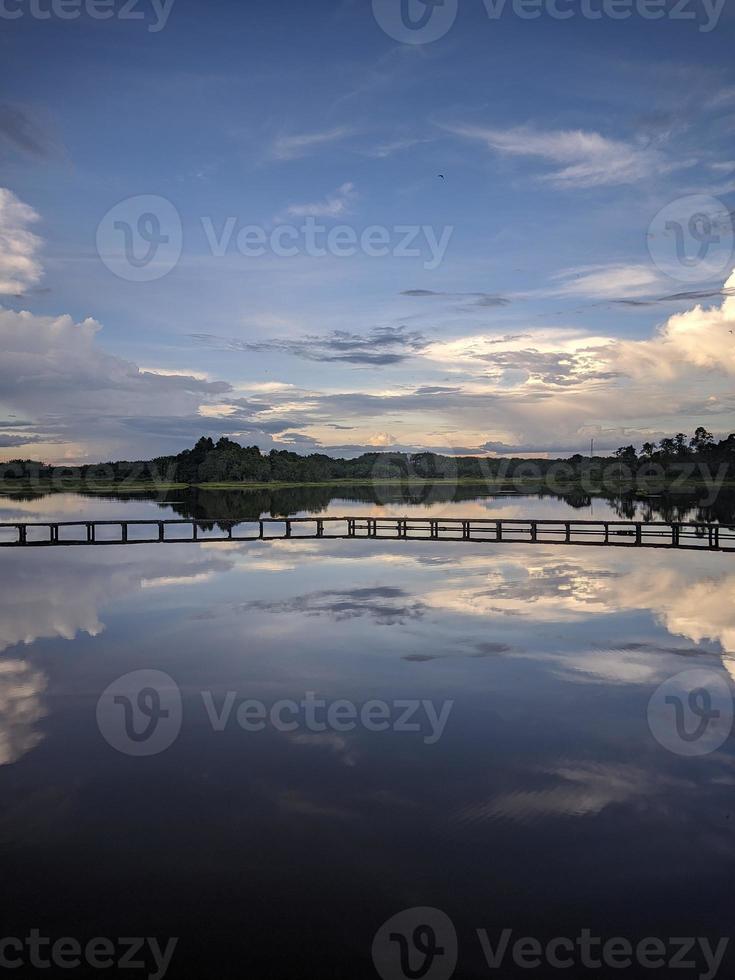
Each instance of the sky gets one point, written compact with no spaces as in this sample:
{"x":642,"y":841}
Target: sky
{"x":470,"y":226}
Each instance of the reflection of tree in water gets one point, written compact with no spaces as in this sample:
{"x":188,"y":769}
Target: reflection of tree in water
{"x":252,"y":504}
{"x":249,"y":505}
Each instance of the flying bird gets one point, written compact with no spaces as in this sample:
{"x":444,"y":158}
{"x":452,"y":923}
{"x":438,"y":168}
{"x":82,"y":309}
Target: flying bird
{"x":442,"y":176}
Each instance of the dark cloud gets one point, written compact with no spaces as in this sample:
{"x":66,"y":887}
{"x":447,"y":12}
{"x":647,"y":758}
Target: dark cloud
{"x":293,"y":440}
{"x":380,"y":347}
{"x":13,"y":423}
{"x":19,"y":131}
{"x":486,"y":649}
{"x":688,"y":296}
{"x":655,"y":648}
{"x":487,"y":300}
{"x":490,"y":649}
{"x":552,"y":449}
{"x":437,"y":390}
{"x":7,"y":442}
{"x":358,"y":404}
{"x":191,"y":427}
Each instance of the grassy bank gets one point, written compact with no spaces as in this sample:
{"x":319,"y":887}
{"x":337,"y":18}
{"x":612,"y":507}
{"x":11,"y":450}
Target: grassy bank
{"x":506,"y":483}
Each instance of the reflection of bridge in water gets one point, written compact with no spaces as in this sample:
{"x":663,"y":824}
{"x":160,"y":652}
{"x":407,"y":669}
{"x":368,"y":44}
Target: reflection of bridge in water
{"x":626,"y":534}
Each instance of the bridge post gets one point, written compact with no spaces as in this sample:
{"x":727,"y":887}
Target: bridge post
{"x":534,"y":531}
{"x":194,"y":531}
{"x":262,"y":530}
{"x":638,"y":533}
{"x":288,"y":529}
{"x":124,"y":531}
{"x":22,"y":533}
{"x":498,"y":530}
{"x":568,"y":528}
{"x":90,"y":532}
{"x":320,"y":529}
{"x":161,"y":531}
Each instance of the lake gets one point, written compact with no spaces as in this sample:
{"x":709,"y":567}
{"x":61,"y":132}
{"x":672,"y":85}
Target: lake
{"x":348,"y":759}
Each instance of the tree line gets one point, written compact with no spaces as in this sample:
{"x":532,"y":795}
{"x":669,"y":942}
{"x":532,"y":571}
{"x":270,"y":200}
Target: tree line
{"x":228,"y":462}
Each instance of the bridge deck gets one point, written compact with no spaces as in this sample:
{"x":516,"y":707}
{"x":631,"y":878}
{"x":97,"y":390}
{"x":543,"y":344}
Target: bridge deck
{"x":646,"y":534}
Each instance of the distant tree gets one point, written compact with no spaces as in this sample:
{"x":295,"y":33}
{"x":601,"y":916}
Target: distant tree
{"x":680,"y":444}
{"x":648,"y":449}
{"x":702,"y":441}
{"x":626,"y":453}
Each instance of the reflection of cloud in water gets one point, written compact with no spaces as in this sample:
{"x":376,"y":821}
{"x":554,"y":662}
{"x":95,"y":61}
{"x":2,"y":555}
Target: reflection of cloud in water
{"x":167,"y":581}
{"x":57,"y":595}
{"x":47,"y":594}
{"x":477,"y":651}
{"x":537,"y":587}
{"x":21,"y":687}
{"x":578,"y":789}
{"x":332,"y":742}
{"x":73,"y":507}
{"x":691,"y":595}
{"x":386,"y":605}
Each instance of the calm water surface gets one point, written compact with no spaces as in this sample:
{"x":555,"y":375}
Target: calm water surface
{"x":547,"y":804}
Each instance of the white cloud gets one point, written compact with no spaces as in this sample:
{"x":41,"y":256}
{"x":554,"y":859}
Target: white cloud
{"x":19,"y":266}
{"x":382,"y":439}
{"x":385,"y":150}
{"x":608,"y":281}
{"x":302,"y":144}
{"x":53,"y":372}
{"x":547,"y":388}
{"x":333,"y":206}
{"x":702,"y":339}
{"x":584,"y":159}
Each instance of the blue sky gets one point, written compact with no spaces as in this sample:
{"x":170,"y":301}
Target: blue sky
{"x":536,"y":314}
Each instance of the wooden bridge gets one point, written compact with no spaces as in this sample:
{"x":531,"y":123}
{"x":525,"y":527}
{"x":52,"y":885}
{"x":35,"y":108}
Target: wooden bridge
{"x":626,"y":534}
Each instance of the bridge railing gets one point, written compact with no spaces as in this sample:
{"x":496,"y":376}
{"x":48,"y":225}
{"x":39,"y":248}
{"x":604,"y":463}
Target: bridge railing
{"x":651,"y":534}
